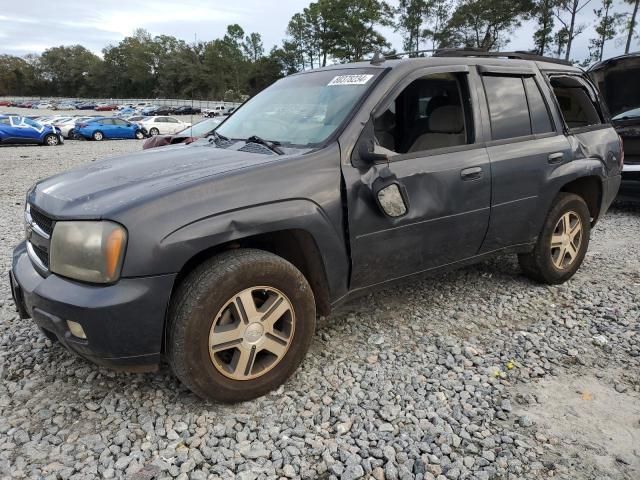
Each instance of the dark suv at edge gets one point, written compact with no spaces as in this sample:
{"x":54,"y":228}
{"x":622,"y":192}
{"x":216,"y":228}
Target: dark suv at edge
{"x":217,"y":255}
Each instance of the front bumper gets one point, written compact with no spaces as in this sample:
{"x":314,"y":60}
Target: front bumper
{"x":123,"y":322}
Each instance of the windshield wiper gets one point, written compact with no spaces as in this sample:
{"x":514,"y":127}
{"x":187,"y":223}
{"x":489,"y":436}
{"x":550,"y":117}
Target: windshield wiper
{"x":217,"y":137}
{"x":273,"y":146}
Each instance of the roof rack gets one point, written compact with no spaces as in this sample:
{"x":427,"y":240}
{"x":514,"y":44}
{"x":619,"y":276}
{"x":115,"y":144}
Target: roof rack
{"x":478,"y":52}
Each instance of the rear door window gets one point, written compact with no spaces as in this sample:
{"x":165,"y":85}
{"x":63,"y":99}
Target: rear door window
{"x":540,"y":119}
{"x":508,"y":107}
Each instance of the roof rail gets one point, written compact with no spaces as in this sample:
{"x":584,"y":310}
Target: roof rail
{"x":478,"y":52}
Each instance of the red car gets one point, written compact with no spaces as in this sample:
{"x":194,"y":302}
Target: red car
{"x":105,"y":108}
{"x":5,"y":103}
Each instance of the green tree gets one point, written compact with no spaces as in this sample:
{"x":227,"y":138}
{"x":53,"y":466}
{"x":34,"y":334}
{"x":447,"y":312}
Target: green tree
{"x":68,"y":69}
{"x":253,"y":47}
{"x":544,"y":15}
{"x":486,"y":24}
{"x":606,"y":29}
{"x":411,"y":15}
{"x":437,"y":20}
{"x":632,"y":23}
{"x":566,"y":12}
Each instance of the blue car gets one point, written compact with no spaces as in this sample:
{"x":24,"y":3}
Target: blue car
{"x":15,"y":129}
{"x":102,"y":128}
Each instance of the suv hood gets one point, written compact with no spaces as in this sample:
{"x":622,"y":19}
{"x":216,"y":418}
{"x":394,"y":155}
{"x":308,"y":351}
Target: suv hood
{"x":617,"y":80}
{"x":115,"y":184}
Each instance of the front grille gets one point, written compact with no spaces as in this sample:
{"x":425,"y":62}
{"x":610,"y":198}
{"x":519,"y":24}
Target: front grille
{"x":40,"y":219}
{"x":42,"y":255}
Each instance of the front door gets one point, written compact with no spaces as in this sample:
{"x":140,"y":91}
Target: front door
{"x":427,"y":131}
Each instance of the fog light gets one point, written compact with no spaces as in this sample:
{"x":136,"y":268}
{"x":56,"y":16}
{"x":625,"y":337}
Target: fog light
{"x":76,"y":329}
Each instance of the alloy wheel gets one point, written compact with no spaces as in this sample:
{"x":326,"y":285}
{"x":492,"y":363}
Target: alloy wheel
{"x":566,"y":240}
{"x":252,"y":333}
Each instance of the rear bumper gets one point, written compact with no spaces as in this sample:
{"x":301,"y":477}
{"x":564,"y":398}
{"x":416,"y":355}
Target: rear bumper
{"x":123,"y":322}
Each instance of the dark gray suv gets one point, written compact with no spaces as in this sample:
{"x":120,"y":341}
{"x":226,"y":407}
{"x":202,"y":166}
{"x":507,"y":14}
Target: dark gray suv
{"x":217,"y":256}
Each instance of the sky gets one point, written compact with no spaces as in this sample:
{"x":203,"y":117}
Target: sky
{"x":31,"y":26}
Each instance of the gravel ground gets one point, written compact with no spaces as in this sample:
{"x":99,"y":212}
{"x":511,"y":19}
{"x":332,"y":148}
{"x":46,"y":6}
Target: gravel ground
{"x":476,"y":374}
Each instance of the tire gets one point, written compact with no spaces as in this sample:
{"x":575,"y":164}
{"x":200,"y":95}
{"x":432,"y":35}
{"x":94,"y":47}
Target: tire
{"x":51,"y":140}
{"x":139,"y":135}
{"x":98,"y":136}
{"x":154,"y":131}
{"x":554,"y":264}
{"x":205,"y":298}
{"x":72,"y":134}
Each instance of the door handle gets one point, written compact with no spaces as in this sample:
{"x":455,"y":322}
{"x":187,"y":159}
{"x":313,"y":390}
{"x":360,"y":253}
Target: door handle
{"x":556,"y":157}
{"x":471,"y":173}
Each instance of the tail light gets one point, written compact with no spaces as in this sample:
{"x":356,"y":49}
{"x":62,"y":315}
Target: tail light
{"x":621,"y":152}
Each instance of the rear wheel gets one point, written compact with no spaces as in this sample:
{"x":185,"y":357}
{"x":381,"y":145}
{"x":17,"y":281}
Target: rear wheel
{"x":240,"y":324}
{"x":51,"y":140}
{"x":154,"y":131}
{"x":72,"y":134}
{"x":98,"y":136}
{"x":562,"y":244}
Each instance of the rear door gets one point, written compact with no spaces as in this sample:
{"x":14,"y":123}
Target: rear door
{"x":524,"y":145}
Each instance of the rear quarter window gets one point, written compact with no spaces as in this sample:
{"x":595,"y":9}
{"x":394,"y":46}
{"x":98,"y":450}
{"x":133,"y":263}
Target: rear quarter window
{"x":578,"y":105}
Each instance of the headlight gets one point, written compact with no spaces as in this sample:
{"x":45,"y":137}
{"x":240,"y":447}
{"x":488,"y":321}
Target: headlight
{"x":88,"y":251}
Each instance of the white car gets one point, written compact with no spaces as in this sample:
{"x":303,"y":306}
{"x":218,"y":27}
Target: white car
{"x":67,"y":127}
{"x":215,"y":111}
{"x":163,"y":125}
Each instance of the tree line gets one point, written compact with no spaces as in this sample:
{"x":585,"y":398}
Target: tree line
{"x":327,"y":31}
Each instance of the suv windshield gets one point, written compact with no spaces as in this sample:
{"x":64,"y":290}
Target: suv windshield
{"x":301,"y":110}
{"x":634,"y":113}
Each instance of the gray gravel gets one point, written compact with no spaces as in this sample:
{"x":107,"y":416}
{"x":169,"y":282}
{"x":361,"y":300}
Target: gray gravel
{"x":447,"y":378}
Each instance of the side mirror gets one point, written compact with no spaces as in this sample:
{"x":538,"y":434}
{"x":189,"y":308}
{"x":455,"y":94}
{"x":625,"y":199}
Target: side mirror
{"x":391,"y":197}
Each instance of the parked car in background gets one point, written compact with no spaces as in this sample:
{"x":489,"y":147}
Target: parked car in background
{"x":187,"y":110}
{"x":164,"y":110}
{"x":149,"y":110}
{"x":67,"y":128}
{"x":5,"y":103}
{"x":201,"y":129}
{"x":108,"y":128}
{"x":135,"y":118}
{"x":126,"y":112}
{"x":86,"y":106}
{"x":15,"y":129}
{"x":617,"y":80}
{"x":163,"y":125}
{"x":215,"y":111}
{"x":24,"y":104}
{"x":105,"y":107}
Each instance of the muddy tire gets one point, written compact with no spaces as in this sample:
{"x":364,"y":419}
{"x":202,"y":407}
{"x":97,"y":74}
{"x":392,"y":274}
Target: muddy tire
{"x":239,"y":325}
{"x":562,"y":244}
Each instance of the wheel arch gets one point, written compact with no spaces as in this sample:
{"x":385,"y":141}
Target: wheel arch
{"x":590,"y":189}
{"x":297,"y":246}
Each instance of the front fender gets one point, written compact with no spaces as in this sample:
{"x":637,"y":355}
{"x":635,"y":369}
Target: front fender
{"x":179,"y":246}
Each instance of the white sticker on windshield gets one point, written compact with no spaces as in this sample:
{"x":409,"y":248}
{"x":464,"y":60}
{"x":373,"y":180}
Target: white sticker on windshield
{"x":350,"y":80}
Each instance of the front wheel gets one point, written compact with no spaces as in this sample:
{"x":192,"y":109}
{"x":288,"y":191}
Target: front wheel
{"x":562,"y":244}
{"x":154,"y":131}
{"x":51,"y":140}
{"x":240,"y":324}
{"x":139,"y":135}
{"x":98,"y":136}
